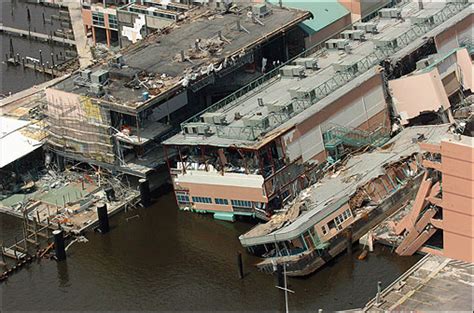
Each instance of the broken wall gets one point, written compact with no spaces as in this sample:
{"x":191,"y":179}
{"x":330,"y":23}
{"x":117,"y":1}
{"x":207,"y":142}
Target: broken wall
{"x":415,"y":94}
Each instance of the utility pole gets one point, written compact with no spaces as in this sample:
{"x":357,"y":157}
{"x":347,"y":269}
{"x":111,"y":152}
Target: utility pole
{"x":285,"y":288}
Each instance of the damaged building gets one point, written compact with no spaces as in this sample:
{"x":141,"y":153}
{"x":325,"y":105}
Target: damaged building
{"x":115,"y":115}
{"x":257,"y":149}
{"x":440,"y":219}
{"x":439,"y":80}
{"x":348,"y":201}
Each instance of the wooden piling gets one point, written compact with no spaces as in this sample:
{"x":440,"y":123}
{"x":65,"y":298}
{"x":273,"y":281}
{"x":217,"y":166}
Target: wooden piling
{"x":240,"y":265}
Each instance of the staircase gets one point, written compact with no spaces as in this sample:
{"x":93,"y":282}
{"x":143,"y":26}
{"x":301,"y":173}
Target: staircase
{"x":338,"y":135}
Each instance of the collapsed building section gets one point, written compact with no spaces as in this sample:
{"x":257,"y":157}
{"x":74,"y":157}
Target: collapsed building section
{"x":331,"y":214}
{"x":253,"y":151}
{"x":428,"y":89}
{"x":116,"y":114}
{"x":441,"y":219}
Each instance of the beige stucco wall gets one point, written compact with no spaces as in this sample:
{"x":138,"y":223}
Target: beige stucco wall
{"x":466,"y":68}
{"x":220,"y":188}
{"x":332,"y":232}
{"x":457,"y":167}
{"x":418,"y":93}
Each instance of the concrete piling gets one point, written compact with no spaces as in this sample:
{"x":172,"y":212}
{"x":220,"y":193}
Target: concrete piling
{"x":240,"y":265}
{"x":103,"y":218}
{"x":59,"y":246}
{"x":145,"y":192}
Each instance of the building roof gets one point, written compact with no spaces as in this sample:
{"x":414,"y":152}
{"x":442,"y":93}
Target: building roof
{"x":326,"y":82}
{"x":333,"y":191}
{"x":325,"y":12}
{"x":13,"y":144}
{"x":155,"y":64}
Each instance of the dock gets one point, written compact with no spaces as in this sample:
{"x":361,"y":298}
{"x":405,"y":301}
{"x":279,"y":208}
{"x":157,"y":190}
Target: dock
{"x":435,"y":283}
{"x":35,"y":35}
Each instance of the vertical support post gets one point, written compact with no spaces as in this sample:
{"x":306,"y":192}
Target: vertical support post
{"x":41,"y":56}
{"x":379,"y":291}
{"x":349,"y":240}
{"x":145,"y":192}
{"x":103,"y":218}
{"x":279,"y":275}
{"x":59,"y":245}
{"x":240,"y":265}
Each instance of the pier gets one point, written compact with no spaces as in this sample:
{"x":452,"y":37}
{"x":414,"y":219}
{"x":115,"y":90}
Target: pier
{"x":35,"y":35}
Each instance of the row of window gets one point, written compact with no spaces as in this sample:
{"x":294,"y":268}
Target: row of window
{"x":183,"y":198}
{"x":98,"y":19}
{"x":241,"y":203}
{"x":221,"y":201}
{"x":336,"y":222}
{"x":202,"y":199}
{"x":113,"y":21}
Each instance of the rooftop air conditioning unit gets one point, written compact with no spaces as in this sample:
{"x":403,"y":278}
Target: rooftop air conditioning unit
{"x":96,"y":89}
{"x":368,"y":27}
{"x":86,"y":74}
{"x":277,"y":106}
{"x":197,"y":128}
{"x":390,"y":13}
{"x":309,"y":63}
{"x":118,"y":60}
{"x":386,"y":43}
{"x":100,"y":77}
{"x":340,"y":43}
{"x":259,"y":121}
{"x":292,"y":71}
{"x":261,"y":10}
{"x":214,"y":118}
{"x":354,"y":34}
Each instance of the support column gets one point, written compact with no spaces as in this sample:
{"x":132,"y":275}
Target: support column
{"x":145,"y":192}
{"x":93,"y":35}
{"x":59,"y":245}
{"x":107,"y":34}
{"x":103,"y":218}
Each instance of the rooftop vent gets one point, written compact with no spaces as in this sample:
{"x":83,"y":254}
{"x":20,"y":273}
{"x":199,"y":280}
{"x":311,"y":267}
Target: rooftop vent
{"x":277,"y":106}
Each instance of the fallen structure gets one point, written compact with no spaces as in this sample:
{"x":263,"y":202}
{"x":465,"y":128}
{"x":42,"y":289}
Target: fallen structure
{"x":440,"y":219}
{"x":258,"y":148}
{"x":335,"y":212}
{"x":428,"y":89}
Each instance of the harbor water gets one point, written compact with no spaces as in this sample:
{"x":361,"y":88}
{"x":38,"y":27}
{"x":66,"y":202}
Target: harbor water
{"x":166,"y":259}
{"x":163,"y":259}
{"x":14,"y":14}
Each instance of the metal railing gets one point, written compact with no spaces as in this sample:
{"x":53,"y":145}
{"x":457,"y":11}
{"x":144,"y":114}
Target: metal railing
{"x":251,"y":133}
